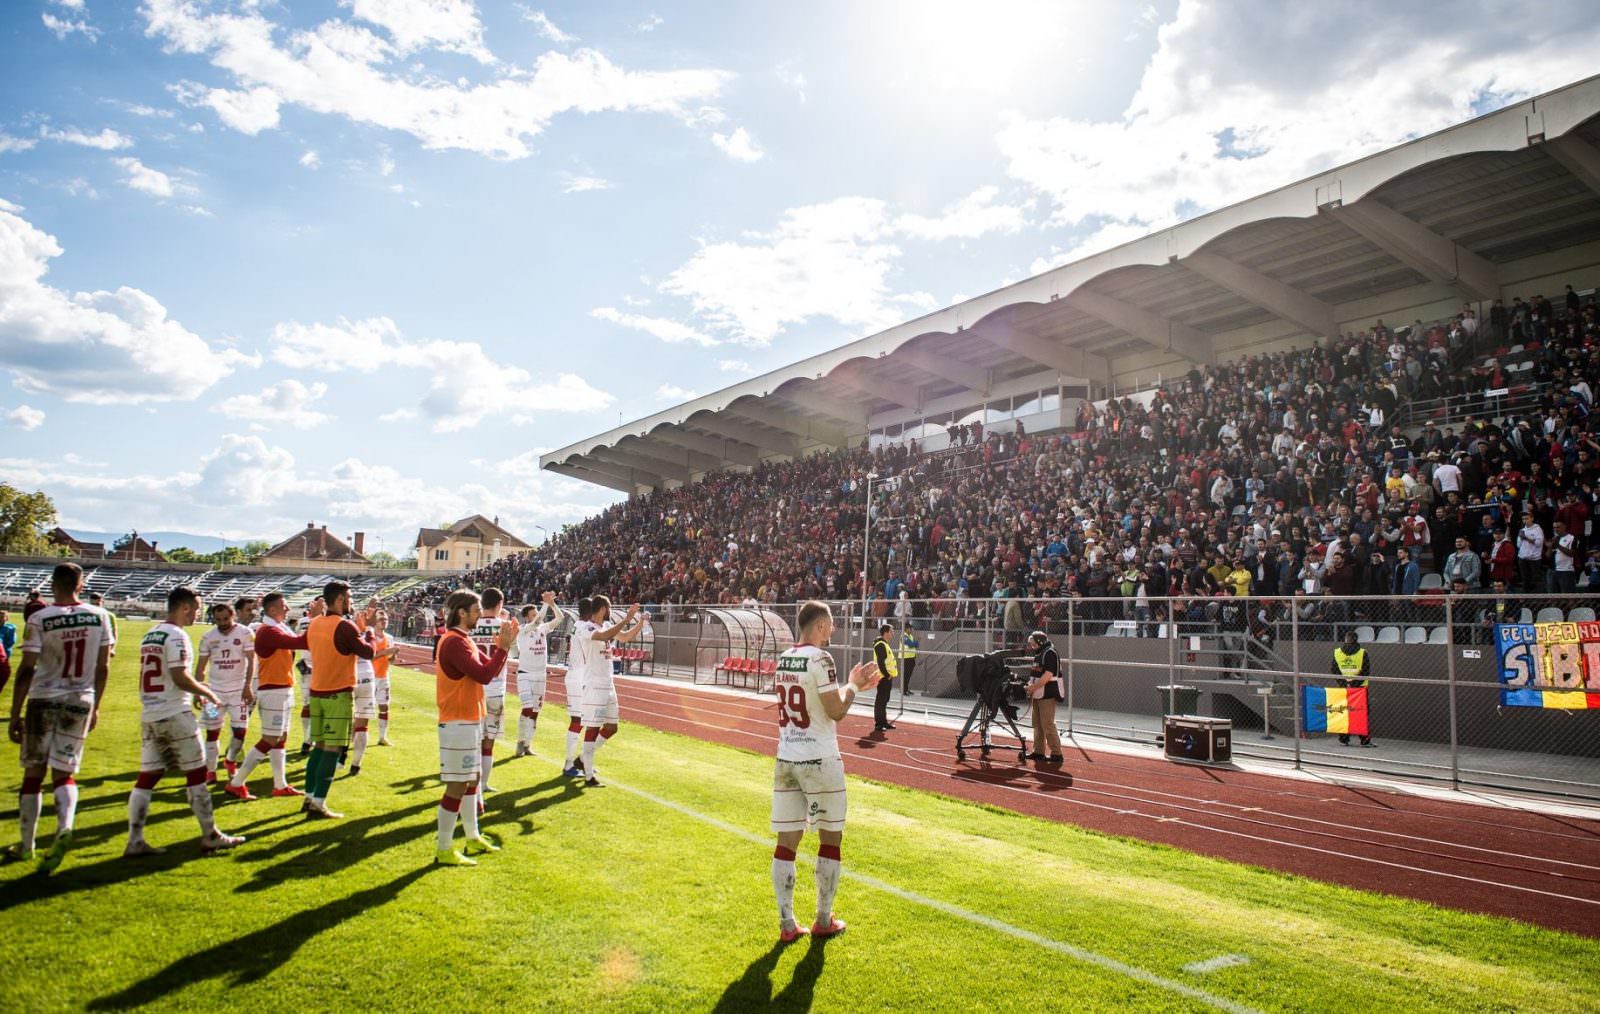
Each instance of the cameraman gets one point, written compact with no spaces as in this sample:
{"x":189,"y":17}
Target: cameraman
{"x":1046,"y":690}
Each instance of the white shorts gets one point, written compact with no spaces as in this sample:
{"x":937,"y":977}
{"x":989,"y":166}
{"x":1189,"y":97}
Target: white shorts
{"x":232,"y":711}
{"x":530,"y":690}
{"x":600,"y":708}
{"x":380,"y":692}
{"x":494,"y":715}
{"x":277,"y":710}
{"x":460,"y":759}
{"x":574,"y":683}
{"x":171,"y":744}
{"x":806,"y":793}
{"x":53,"y":733}
{"x":364,"y":703}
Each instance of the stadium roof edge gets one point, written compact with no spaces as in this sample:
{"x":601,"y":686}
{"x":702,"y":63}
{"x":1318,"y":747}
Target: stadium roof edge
{"x":1031,"y":323}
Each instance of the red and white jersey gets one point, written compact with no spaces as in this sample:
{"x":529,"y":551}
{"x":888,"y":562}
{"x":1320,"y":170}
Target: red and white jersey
{"x":67,"y":640}
{"x":164,"y":651}
{"x":484,"y":635}
{"x":533,"y":646}
{"x":805,"y":732}
{"x":228,"y":657}
{"x":597,"y":672}
{"x":579,"y":650}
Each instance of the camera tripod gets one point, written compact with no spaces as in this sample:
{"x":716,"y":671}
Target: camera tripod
{"x":984,"y":714}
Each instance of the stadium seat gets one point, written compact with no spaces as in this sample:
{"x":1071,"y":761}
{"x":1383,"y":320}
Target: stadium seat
{"x":769,"y":667}
{"x":1580,"y":614}
{"x":1439,"y":635}
{"x":1550,"y":614}
{"x":1416,"y":635}
{"x":1387,"y":635}
{"x":1526,"y":616}
{"x":1431,"y":582}
{"x":1365,"y":634}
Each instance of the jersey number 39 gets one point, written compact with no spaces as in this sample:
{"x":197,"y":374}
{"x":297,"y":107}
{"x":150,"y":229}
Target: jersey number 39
{"x":792,"y":707}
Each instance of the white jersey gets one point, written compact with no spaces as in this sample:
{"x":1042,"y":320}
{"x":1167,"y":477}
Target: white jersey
{"x":484,"y":635}
{"x":67,"y":640}
{"x":579,"y":650}
{"x":533,"y":646}
{"x":301,"y":627}
{"x":164,"y":650}
{"x":805,"y":732}
{"x":228,"y":657}
{"x":598,"y":671}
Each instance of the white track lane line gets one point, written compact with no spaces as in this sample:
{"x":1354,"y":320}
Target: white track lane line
{"x":754,"y":707}
{"x":1343,"y":830}
{"x":966,"y":915}
{"x":1334,"y":853}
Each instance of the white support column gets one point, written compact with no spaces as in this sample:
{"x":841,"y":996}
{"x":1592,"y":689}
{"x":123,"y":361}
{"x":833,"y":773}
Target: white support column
{"x":1425,"y":251}
{"x":1158,"y":331}
{"x":1284,"y":301}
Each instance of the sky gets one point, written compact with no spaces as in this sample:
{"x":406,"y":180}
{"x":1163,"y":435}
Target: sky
{"x":359,"y":262}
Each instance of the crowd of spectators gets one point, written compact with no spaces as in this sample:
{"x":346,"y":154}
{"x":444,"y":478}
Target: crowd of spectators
{"x":1287,"y":475}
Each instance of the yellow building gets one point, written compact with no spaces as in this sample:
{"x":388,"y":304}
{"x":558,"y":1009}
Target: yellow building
{"x":468,"y":544}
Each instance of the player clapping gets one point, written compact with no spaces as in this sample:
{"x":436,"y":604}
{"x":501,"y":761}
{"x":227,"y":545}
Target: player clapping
{"x":599,"y":709}
{"x":533,"y":655}
{"x":462,"y":672}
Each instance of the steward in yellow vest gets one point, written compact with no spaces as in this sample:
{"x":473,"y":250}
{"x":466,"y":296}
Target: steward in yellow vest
{"x":1353,"y":666}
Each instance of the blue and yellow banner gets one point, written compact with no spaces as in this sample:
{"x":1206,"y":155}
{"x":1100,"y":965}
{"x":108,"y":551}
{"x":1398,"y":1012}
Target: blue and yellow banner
{"x":1336,"y":710}
{"x":1549,"y":665}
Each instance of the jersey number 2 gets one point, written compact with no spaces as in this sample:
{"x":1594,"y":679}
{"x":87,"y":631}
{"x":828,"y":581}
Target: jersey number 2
{"x":792,"y":707}
{"x":150,"y":674}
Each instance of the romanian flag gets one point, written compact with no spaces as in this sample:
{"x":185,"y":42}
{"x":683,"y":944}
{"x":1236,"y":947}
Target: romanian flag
{"x":1338,"y":710}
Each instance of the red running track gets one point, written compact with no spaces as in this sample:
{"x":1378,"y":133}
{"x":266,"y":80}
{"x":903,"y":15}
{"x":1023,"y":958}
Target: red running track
{"x":1540,"y":868}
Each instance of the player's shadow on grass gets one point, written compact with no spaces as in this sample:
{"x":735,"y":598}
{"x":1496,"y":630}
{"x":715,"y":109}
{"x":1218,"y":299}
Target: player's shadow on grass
{"x":753,"y":990}
{"x":255,"y":955}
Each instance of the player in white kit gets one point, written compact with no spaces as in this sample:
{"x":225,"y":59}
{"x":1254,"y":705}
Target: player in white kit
{"x":808,"y":779}
{"x":229,"y":649}
{"x":578,"y":648}
{"x":494,"y":694}
{"x":364,"y":702}
{"x":66,"y":648}
{"x":315,"y":608}
{"x":170,"y":737}
{"x":533,"y":654}
{"x":599,"y":708}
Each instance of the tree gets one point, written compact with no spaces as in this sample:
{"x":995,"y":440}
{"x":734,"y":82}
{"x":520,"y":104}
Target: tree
{"x":183,"y":554}
{"x":25,"y":521}
{"x":384,"y":560}
{"x":255,"y":549}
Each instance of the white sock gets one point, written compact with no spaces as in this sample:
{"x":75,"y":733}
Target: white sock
{"x":200,"y":803}
{"x":236,"y":749}
{"x":483,"y":776}
{"x":827,"y":887}
{"x":589,"y":746}
{"x":211,"y":754}
{"x":246,"y":766}
{"x":383,"y":728}
{"x":573,"y":739}
{"x":66,"y":806}
{"x":524,"y":730}
{"x":28,"y":805}
{"x":280,"y":764}
{"x":305,"y":727}
{"x":447,"y":827}
{"x":138,"y":813}
{"x":469,"y":812}
{"x":358,"y":748}
{"x":783,"y":889}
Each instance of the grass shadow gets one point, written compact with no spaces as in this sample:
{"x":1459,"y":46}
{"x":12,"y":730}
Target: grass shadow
{"x":252,"y":957}
{"x":753,"y":989}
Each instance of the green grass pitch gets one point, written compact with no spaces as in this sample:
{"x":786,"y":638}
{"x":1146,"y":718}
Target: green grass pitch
{"x":653,"y":894}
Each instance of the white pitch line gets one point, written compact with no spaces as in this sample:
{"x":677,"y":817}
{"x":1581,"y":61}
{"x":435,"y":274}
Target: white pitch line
{"x":976,"y":918}
{"x":1216,"y":964}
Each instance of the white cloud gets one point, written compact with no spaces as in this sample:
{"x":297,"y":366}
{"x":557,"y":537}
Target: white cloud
{"x":584,"y":184}
{"x":739,"y":145}
{"x":249,"y":111}
{"x":824,"y":260}
{"x":649,"y":24}
{"x":791,"y":78}
{"x":63,"y":27}
{"x":71,"y":5}
{"x":78,"y":186}
{"x":398,"y":415}
{"x":106,"y":140}
{"x":1240,"y":98}
{"x":288,"y":401}
{"x":310,"y":159}
{"x":26,"y":417}
{"x":667,"y":330}
{"x":449,"y":25}
{"x":466,"y":385}
{"x":101,"y":347}
{"x":545,"y":27}
{"x":150,"y":181}
{"x":344,"y":69}
{"x":968,"y":218}
{"x":9,"y":143}
{"x":733,"y":366}
{"x":672,"y":392}
{"x":142,"y":110}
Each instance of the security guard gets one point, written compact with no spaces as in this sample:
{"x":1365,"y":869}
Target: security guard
{"x":883,"y":655}
{"x":908,"y":657}
{"x":1353,"y":667}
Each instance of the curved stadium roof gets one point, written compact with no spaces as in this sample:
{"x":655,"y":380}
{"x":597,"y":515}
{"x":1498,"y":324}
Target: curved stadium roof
{"x":1509,"y":198}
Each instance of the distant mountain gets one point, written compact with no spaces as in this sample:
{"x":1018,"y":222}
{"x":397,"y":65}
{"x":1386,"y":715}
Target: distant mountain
{"x":163,"y":540}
